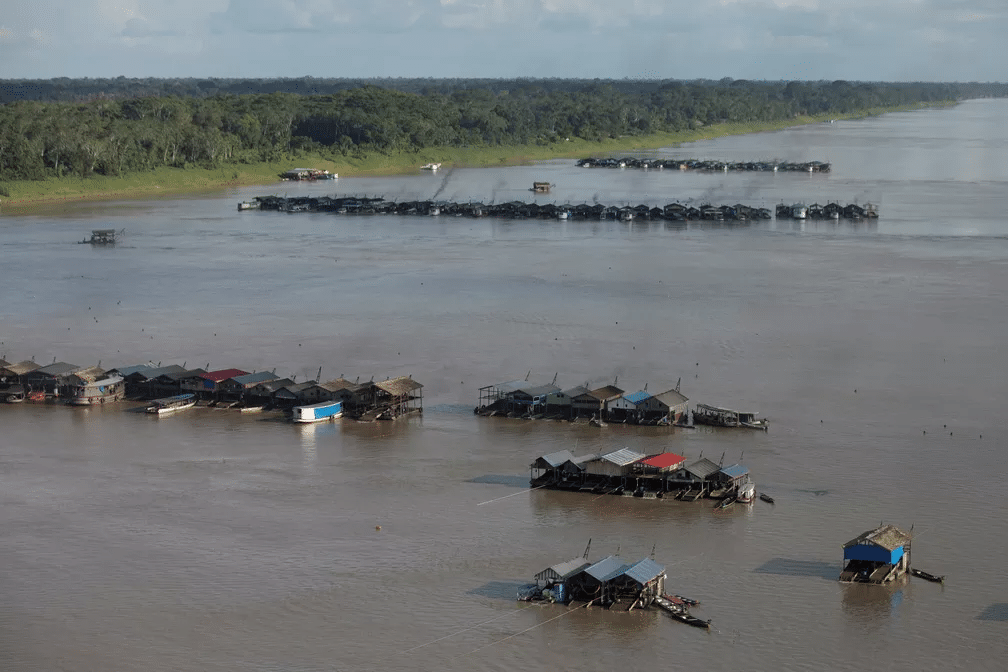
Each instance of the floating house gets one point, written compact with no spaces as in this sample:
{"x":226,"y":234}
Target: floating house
{"x":541,"y":187}
{"x":610,"y":582}
{"x":48,"y":379}
{"x":595,"y":403}
{"x":398,"y":396}
{"x":876,"y":556}
{"x":102,"y":237}
{"x":237,"y":386}
{"x":629,"y":407}
{"x":11,"y":374}
{"x":616,"y":463}
{"x":208,"y":384}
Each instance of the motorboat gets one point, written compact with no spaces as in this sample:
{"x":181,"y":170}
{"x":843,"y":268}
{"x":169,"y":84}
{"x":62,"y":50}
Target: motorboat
{"x":171,"y":404}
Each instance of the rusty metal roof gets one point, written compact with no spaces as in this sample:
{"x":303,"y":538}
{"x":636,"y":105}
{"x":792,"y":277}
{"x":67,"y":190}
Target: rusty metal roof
{"x":399,"y":386}
{"x":22,"y":368}
{"x":606,"y":393}
{"x":888,"y":537}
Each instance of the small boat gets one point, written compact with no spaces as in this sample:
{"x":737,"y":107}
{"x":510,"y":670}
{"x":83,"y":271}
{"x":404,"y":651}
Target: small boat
{"x":596,"y":421}
{"x":321,"y":412}
{"x":248,"y":205}
{"x":921,"y":574}
{"x":746,"y":492}
{"x":766,"y":498}
{"x":252,"y":409}
{"x":14,"y":394}
{"x":688,"y":601}
{"x":678,"y":610}
{"x":172,"y":404}
{"x":430,"y":166}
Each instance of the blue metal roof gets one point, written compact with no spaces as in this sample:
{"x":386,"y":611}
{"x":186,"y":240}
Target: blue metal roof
{"x":735,"y":471}
{"x":636,"y":397}
{"x":644,"y":571}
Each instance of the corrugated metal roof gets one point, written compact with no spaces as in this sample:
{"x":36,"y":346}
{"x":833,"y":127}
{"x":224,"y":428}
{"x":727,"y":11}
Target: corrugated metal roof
{"x":59,"y":369}
{"x":576,"y":391}
{"x":581,"y":459}
{"x":110,"y":380}
{"x":136,"y":368}
{"x":672,"y":398}
{"x":399,"y":386}
{"x":4,"y":362}
{"x":735,"y":471}
{"x":554,"y":460}
{"x":636,"y":397}
{"x":274,"y":385}
{"x":645,"y":571}
{"x":168,"y":370}
{"x":223,"y":374}
{"x":888,"y":537}
{"x":253,"y":378}
{"x":606,"y":393}
{"x":607,"y":568}
{"x":90,"y":374}
{"x":664,"y":460}
{"x":623,"y":457}
{"x":703,"y":468}
{"x":562,"y":570}
{"x":24,"y":367}
{"x":510,"y":386}
{"x":538,"y":390}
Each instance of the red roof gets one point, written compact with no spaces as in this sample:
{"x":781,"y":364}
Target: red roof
{"x":223,"y":374}
{"x":664,"y":460}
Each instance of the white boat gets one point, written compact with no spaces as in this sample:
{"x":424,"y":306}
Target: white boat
{"x":430,"y":166}
{"x":746,"y":492}
{"x":320,"y":412}
{"x":172,"y":404}
{"x":799,"y":210}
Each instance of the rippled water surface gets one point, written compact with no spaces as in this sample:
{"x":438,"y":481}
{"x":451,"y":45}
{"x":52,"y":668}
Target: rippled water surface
{"x":209,"y":541}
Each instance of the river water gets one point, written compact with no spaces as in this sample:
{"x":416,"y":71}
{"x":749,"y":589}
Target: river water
{"x":208,"y":541}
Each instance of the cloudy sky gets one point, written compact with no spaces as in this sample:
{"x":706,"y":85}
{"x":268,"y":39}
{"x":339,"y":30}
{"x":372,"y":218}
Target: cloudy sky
{"x":932,"y":40}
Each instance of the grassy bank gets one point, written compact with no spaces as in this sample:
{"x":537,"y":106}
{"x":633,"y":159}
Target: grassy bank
{"x":25,"y":196}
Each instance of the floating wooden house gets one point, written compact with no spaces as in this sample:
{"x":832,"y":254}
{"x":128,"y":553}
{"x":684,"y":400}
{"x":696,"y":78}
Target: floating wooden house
{"x":102,"y":237}
{"x":541,"y":187}
{"x":876,"y":556}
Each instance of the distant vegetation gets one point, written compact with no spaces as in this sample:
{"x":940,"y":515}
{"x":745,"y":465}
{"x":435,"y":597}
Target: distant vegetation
{"x":118,"y":127}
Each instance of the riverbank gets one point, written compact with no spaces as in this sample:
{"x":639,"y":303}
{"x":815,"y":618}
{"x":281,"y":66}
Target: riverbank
{"x":27,"y":196}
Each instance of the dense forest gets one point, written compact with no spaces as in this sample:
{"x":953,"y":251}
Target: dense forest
{"x":120,"y":126}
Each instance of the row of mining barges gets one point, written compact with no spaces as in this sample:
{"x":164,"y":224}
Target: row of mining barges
{"x":829,"y":211}
{"x":173,"y":387}
{"x":631,"y":474}
{"x":675,"y":212}
{"x":605,"y":404}
{"x":706,"y":165}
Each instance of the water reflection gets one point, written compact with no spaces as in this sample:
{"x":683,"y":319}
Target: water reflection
{"x":870,"y":603}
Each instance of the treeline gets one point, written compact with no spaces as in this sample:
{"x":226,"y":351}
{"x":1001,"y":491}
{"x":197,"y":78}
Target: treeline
{"x":116,"y":136}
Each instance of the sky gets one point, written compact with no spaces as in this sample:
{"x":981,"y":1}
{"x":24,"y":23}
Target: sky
{"x":877,"y":40}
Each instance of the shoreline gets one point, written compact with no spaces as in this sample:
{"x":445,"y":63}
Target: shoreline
{"x":29,"y":197}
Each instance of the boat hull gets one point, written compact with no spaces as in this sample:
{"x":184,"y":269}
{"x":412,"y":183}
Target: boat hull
{"x":172,"y":404}
{"x":325,"y":411}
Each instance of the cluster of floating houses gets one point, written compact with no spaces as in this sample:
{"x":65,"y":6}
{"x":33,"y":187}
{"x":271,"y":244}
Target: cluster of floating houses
{"x":308,"y":174}
{"x":605,"y":404}
{"x":610,"y":583}
{"x":675,"y":212}
{"x":829,"y":211}
{"x":631,"y":474}
{"x":175,"y":387}
{"x":706,"y":165}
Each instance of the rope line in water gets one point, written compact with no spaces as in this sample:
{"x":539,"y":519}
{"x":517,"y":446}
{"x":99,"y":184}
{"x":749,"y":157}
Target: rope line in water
{"x":459,"y":632}
{"x":491,"y":501}
{"x":569,"y":611}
